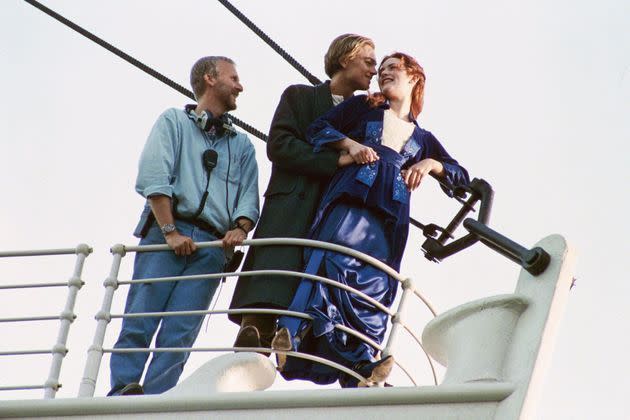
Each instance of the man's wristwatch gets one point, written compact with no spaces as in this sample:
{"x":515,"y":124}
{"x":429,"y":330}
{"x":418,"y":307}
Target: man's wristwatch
{"x":167,"y":228}
{"x":238,"y":226}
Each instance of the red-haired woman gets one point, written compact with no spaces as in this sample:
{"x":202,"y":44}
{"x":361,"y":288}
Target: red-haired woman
{"x":366,"y":208}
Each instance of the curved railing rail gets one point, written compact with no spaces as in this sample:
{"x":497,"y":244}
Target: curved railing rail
{"x":66,"y":317}
{"x":111,"y":283}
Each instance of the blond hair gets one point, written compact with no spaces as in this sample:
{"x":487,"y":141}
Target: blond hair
{"x":345,"y":46}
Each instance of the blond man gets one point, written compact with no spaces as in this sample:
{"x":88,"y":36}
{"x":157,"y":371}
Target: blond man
{"x":298,"y":178}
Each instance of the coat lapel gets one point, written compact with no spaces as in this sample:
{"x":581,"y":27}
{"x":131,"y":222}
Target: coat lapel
{"x":323,"y":98}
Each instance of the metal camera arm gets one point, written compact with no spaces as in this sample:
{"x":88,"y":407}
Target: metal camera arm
{"x":534,"y":260}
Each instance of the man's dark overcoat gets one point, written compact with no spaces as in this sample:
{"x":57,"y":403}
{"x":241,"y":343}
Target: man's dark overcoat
{"x":298,"y":178}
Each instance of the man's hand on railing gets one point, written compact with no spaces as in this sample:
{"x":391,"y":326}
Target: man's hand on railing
{"x":180,"y":244}
{"x":234,"y":237}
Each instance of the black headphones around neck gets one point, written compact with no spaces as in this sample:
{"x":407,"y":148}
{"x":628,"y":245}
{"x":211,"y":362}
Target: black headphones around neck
{"x":210,"y":124}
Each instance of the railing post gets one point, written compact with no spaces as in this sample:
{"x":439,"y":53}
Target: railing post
{"x":95,"y":352}
{"x":408,"y":289}
{"x":67,"y":316}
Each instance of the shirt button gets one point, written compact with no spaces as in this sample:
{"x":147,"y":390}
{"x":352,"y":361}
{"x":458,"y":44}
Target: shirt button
{"x":301,"y":195}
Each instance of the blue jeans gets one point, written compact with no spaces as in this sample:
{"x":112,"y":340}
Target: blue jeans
{"x":175,"y":331}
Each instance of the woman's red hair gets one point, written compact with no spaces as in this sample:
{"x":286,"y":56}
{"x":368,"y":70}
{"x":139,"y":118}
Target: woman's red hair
{"x":413,"y":69}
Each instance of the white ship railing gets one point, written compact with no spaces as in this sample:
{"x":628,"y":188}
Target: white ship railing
{"x":495,"y":351}
{"x":111,"y":283}
{"x":66,"y":317}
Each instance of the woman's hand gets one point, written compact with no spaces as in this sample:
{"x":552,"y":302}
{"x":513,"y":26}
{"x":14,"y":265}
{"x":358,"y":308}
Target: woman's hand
{"x":415,"y":173}
{"x":344,"y":159}
{"x":360,"y":153}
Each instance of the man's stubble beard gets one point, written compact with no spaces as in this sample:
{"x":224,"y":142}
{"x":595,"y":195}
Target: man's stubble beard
{"x":229,"y":102}
{"x":224,"y":95}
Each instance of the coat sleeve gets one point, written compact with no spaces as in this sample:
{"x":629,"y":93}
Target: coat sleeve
{"x":287,"y":147}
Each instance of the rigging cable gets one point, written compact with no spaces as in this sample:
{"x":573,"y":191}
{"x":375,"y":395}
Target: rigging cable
{"x":252,"y":130}
{"x":133,"y":61}
{"x":314,"y":80}
{"x":458,"y":195}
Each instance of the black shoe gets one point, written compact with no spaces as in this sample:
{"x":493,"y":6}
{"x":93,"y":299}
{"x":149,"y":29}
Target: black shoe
{"x":248,"y":336}
{"x":282,"y":341}
{"x":133,"y":388}
{"x":374,"y":372}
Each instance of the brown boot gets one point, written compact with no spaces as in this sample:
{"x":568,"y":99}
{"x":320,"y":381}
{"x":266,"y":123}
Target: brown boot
{"x":265,"y":324}
{"x":247,"y":336}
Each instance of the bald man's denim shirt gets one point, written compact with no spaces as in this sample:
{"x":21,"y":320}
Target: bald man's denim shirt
{"x":171,"y":165}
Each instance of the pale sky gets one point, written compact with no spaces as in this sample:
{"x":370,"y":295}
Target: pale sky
{"x":532,"y":96}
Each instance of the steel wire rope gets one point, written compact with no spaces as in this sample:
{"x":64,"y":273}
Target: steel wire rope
{"x":302,"y":70}
{"x":135,"y":62}
{"x":151,"y":72}
{"x":277,"y":48}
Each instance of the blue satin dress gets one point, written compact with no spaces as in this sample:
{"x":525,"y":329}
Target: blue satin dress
{"x":366,"y":208}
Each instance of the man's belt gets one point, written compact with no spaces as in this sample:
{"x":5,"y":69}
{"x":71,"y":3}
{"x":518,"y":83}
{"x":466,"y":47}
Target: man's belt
{"x":205,"y":226}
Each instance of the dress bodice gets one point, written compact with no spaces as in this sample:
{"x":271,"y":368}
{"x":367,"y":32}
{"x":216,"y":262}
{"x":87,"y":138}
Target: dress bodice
{"x":396,"y":132}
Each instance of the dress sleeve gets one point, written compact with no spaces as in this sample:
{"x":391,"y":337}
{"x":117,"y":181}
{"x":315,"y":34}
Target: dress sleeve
{"x":337,"y":123}
{"x":454,"y":173}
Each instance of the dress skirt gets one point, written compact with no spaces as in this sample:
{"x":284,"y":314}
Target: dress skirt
{"x":349,"y":224}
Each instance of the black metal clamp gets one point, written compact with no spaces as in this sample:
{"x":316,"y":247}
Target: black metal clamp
{"x":534,"y":260}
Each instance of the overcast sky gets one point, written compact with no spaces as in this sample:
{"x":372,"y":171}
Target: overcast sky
{"x":532,"y":96}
